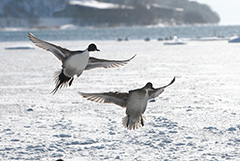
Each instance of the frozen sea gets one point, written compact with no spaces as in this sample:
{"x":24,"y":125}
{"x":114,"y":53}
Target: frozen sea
{"x":197,"y":118}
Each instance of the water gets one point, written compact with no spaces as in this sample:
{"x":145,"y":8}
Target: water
{"x":134,"y":33}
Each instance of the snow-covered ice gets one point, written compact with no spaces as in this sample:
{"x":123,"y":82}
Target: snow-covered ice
{"x":94,"y":4}
{"x":197,"y":118}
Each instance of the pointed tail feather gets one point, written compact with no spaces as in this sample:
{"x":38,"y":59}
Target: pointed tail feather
{"x":132,"y":124}
{"x":61,"y":80}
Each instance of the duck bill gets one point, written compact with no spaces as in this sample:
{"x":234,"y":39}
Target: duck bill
{"x":97,"y":50}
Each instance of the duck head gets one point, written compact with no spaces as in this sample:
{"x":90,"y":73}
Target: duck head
{"x":149,"y":85}
{"x":92,"y":47}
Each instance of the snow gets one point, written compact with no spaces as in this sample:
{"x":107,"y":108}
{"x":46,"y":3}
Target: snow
{"x":97,"y":4}
{"x":94,"y":4}
{"x":197,"y":118}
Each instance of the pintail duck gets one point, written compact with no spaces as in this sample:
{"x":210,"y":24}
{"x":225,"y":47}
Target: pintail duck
{"x":135,"y":102}
{"x":74,"y":62}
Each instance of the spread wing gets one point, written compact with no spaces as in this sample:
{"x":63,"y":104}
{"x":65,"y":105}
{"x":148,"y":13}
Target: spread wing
{"x":59,"y":52}
{"x":156,"y":92}
{"x":111,"y":97}
{"x":102,"y":63}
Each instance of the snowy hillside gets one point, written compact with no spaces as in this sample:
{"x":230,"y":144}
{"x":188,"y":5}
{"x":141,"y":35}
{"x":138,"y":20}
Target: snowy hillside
{"x":30,"y":8}
{"x":54,"y":13}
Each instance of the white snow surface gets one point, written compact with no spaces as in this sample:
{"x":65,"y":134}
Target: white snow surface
{"x":94,"y":4}
{"x":196,"y":118}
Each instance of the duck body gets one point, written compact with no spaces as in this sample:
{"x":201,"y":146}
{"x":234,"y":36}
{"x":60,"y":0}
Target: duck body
{"x":135,"y":102}
{"x":136,"y":106}
{"x":74,"y":62}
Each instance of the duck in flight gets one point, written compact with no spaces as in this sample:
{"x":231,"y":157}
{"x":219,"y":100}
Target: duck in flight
{"x":74,"y":62}
{"x":135,"y":102}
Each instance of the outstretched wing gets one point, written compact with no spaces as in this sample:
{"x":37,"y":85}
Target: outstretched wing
{"x":116,"y":97}
{"x":59,"y":52}
{"x":156,"y":92}
{"x":102,"y":63}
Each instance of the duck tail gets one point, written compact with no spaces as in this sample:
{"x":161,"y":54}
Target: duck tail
{"x":132,"y":124}
{"x":61,"y":80}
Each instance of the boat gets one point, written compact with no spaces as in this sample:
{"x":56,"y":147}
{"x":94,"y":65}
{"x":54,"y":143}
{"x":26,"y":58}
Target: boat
{"x":175,"y":41}
{"x":234,"y":39}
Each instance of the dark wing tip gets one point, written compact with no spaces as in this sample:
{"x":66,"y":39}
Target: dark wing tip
{"x":30,"y":35}
{"x":82,"y":94}
{"x":132,"y":57}
{"x":173,"y":80}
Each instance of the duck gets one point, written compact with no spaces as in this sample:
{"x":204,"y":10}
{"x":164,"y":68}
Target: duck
{"x":134,"y":101}
{"x":74,"y":62}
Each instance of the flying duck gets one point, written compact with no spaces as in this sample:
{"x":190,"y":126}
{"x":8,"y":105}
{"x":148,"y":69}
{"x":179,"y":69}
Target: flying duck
{"x":135,"y":102}
{"x":74,"y":62}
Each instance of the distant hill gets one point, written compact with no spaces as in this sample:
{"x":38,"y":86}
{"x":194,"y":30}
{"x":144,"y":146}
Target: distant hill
{"x":54,"y":13}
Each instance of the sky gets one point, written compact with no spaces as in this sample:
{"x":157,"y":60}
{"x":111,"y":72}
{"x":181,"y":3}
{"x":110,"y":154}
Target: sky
{"x":226,"y":9}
